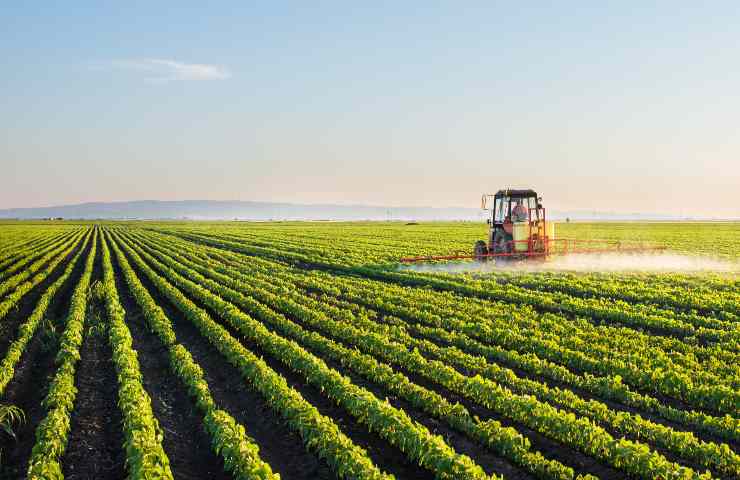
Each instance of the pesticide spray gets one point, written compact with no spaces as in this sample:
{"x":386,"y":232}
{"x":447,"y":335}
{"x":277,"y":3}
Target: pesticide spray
{"x":665,"y":262}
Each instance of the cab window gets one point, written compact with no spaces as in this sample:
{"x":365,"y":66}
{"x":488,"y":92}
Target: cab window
{"x":501,"y":209}
{"x":533,"y":208}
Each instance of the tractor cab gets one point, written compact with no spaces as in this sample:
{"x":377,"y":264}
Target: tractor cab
{"x":516,"y":225}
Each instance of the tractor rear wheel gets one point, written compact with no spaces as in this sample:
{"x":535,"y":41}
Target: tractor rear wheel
{"x":480,"y":251}
{"x":501,"y":243}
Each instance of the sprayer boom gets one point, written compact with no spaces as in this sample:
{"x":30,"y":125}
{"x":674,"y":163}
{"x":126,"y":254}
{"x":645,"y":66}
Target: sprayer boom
{"x":557,"y":247}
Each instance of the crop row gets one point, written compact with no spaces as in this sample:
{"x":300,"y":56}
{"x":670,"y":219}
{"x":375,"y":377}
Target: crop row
{"x":21,"y":259}
{"x":52,"y":432}
{"x":19,"y":239}
{"x":145,"y":457}
{"x":684,"y":354}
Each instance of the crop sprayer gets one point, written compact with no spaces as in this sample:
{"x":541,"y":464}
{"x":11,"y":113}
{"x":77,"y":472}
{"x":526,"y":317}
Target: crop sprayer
{"x":518,"y":230}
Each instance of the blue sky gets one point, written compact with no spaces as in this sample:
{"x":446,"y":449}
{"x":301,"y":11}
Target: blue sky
{"x":630,"y":107}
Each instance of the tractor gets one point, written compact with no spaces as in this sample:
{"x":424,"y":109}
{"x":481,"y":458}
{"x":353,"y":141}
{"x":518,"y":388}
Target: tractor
{"x":517,"y":228}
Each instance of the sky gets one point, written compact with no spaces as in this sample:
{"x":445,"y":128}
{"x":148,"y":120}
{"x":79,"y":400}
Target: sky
{"x":627,"y":107}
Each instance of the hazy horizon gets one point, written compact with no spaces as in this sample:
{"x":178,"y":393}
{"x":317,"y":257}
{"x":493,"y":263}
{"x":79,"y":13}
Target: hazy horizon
{"x":616,"y":108}
{"x":229,"y":210}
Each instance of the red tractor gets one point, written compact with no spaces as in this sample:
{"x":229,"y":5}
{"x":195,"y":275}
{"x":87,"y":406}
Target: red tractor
{"x":517,"y":226}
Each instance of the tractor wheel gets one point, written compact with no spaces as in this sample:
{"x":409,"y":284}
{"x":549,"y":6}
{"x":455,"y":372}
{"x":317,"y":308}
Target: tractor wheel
{"x":480,"y":251}
{"x":501,"y":245}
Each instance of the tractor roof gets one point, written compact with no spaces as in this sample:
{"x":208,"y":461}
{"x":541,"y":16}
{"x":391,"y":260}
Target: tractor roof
{"x":515,"y":193}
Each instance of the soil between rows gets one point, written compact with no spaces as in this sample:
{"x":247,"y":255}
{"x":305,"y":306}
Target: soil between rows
{"x":34,"y":371}
{"x":95,"y":446}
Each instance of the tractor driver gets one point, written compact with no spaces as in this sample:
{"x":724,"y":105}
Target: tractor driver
{"x":519,"y":213}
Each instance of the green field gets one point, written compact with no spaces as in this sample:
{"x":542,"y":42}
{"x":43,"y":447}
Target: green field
{"x":305,"y":350}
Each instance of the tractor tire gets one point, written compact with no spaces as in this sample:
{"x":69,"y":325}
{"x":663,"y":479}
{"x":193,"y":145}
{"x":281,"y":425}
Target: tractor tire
{"x":501,"y":245}
{"x":480,"y":251}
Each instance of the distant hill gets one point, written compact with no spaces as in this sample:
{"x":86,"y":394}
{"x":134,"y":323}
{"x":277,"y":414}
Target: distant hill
{"x":230,"y":210}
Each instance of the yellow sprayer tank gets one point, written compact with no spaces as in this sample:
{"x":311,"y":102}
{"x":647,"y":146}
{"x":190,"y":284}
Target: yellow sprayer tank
{"x":521,"y":237}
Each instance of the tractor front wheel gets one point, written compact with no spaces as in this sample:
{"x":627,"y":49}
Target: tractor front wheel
{"x":480,"y":251}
